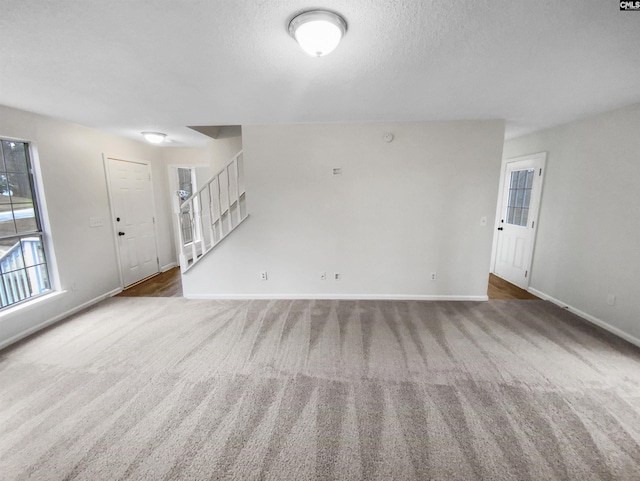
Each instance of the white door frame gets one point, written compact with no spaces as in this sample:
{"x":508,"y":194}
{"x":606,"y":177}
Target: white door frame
{"x":534,"y":210}
{"x":114,"y":227}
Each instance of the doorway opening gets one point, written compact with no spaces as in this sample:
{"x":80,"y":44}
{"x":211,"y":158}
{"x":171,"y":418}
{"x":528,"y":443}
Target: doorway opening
{"x":133,"y":218}
{"x":517,"y":219}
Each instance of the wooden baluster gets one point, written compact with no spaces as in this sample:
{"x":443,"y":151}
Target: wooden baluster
{"x":231,"y":226}
{"x":222,"y":234}
{"x":237,"y":162}
{"x":211,"y":214}
{"x":194,"y":250}
{"x":200,"y":226}
{"x":178,"y":211}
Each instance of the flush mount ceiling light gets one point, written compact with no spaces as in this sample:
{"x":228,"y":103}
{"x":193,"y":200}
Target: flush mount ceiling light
{"x":318,"y":31}
{"x":154,"y":137}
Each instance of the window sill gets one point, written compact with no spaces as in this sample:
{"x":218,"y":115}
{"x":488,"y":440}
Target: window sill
{"x":31,"y":304}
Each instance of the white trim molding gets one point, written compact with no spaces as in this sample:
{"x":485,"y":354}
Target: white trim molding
{"x":171,"y":265}
{"x":587,"y":317}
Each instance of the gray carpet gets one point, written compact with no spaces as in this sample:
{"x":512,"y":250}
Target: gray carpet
{"x":141,"y":388}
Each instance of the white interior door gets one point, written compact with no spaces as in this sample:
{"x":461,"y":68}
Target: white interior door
{"x":520,"y":201}
{"x":133,"y":213}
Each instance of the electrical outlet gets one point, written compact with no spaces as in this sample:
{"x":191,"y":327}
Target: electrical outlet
{"x":323,"y":276}
{"x":433,"y":276}
{"x":611,"y":299}
{"x":74,"y":287}
{"x":483,"y":220}
{"x":336,"y":276}
{"x":96,"y":221}
{"x":263,"y":276}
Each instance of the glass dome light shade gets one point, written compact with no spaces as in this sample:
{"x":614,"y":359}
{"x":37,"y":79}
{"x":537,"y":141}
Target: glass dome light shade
{"x":318,"y":32}
{"x":154,"y":137}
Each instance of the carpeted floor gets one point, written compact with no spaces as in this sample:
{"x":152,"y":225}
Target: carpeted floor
{"x":151,"y":388}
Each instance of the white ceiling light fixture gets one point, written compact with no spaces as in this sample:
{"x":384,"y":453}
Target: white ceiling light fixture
{"x":318,"y":31}
{"x":154,"y":137}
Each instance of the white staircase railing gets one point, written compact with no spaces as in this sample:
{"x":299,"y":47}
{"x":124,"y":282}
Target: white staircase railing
{"x":211,"y":213}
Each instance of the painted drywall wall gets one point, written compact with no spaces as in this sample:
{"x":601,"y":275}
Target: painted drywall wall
{"x":72,"y":178}
{"x":209,"y":159}
{"x":588,"y":228}
{"x":398,"y":212}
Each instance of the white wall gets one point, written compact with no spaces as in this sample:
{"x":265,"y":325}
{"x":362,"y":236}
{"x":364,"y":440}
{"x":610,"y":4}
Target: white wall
{"x":588,"y":241}
{"x":75,"y":188}
{"x":399,"y":211}
{"x":209,"y":159}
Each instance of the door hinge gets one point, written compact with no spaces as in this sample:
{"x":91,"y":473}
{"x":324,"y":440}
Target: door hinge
{"x":158,"y":261}
{"x":533,"y":224}
{"x":525,"y":273}
{"x":540,"y":172}
{"x":149,"y":177}
{"x":154,"y":220}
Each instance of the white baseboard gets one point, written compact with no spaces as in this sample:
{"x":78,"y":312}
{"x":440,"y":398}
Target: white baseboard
{"x":108,"y":294}
{"x":355,"y":297}
{"x":59,"y":317}
{"x":168,"y":266}
{"x":587,"y":317}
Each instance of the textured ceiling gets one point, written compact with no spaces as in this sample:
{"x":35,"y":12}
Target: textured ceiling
{"x":130,"y":65}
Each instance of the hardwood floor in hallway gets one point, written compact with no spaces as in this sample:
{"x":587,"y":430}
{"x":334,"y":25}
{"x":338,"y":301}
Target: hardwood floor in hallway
{"x":501,"y":289}
{"x":165,"y":284}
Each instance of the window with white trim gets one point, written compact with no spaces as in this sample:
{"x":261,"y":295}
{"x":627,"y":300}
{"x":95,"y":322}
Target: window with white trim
{"x":186,"y":188}
{"x":23,"y":264}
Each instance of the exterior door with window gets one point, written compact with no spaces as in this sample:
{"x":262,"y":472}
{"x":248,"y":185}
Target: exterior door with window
{"x":520,"y":202}
{"x":133,"y":212}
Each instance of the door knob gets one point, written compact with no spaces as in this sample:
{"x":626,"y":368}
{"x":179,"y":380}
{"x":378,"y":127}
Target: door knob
{"x":120,"y":233}
{"x":500,"y":228}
